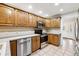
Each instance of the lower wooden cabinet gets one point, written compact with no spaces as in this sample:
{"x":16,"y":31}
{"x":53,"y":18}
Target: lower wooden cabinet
{"x":13,"y":47}
{"x":54,"y":39}
{"x":35,"y":43}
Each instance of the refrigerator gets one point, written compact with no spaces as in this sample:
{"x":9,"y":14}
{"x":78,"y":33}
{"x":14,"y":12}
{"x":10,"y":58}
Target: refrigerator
{"x":70,"y":31}
{"x":76,"y":38}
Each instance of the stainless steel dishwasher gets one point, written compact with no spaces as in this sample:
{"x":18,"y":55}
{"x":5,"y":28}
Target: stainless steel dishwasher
{"x":23,"y":47}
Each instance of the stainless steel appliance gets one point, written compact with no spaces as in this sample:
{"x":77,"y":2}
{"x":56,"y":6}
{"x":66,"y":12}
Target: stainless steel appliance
{"x":40,"y":24}
{"x":43,"y":36}
{"x":24,"y":47}
{"x":70,"y":31}
{"x":77,"y":38}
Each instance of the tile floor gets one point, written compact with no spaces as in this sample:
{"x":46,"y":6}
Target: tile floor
{"x":51,"y":50}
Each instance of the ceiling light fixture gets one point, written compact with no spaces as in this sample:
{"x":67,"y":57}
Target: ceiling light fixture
{"x":56,"y":4}
{"x":40,"y":12}
{"x":61,"y":10}
{"x":30,"y":7}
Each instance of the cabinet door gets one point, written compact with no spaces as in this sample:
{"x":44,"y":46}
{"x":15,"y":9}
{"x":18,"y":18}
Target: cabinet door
{"x":34,"y":44}
{"x":26,"y":20}
{"x":6,"y":15}
{"x":30,"y":20}
{"x":56,"y":39}
{"x":58,"y":22}
{"x":39,"y":18}
{"x":53,"y":39}
{"x":50,"y":38}
{"x":55,"y":23}
{"x":47,"y":23}
{"x":36,"y":18}
{"x":38,"y":42}
{"x":20,"y":19}
{"x":34,"y":22}
{"x":52,"y":23}
{"x":13,"y":47}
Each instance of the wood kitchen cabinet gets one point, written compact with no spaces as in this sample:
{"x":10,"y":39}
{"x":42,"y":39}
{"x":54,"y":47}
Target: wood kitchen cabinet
{"x":35,"y":43}
{"x":50,"y":38}
{"x":52,"y":23}
{"x":40,"y":19}
{"x":13,"y":47}
{"x":32,"y":20}
{"x":47,"y":23}
{"x":54,"y":39}
{"x":6,"y":16}
{"x":21,"y":18}
{"x":10,"y":16}
{"x":55,"y":23}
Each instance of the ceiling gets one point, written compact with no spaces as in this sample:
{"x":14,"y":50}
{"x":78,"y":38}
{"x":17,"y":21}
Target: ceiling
{"x":46,"y":9}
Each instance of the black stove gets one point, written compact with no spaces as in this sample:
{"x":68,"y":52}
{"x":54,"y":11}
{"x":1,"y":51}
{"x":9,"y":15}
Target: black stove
{"x":43,"y":36}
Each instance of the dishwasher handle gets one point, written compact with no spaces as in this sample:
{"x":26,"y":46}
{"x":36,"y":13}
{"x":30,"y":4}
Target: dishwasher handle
{"x":24,"y":41}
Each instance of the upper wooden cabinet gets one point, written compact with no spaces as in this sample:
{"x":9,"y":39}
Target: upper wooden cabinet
{"x":21,"y":18}
{"x":40,"y":19}
{"x":52,"y":23}
{"x":55,"y":23}
{"x":14,"y":17}
{"x":47,"y":23}
{"x":6,"y":16}
{"x":32,"y":20}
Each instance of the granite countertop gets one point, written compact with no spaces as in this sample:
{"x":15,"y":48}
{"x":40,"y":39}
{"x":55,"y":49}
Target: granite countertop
{"x":17,"y":37}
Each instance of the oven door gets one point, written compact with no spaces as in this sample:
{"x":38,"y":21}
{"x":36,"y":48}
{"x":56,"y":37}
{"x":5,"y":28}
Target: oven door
{"x":44,"y":38}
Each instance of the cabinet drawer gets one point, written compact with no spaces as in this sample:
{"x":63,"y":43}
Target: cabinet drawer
{"x":13,"y":47}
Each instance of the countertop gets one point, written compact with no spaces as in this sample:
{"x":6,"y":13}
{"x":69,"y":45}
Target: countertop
{"x":54,"y":33}
{"x":17,"y":37}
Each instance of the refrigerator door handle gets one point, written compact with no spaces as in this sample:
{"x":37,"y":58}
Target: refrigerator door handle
{"x":75,"y":29}
{"x":77,"y":26}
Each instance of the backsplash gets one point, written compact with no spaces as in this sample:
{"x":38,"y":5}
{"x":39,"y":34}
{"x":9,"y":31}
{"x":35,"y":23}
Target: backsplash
{"x":6,"y":32}
{"x":44,"y":31}
{"x":54,"y":30}
{"x":13,"y":29}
